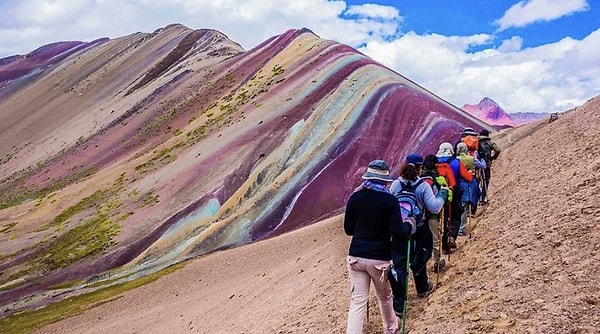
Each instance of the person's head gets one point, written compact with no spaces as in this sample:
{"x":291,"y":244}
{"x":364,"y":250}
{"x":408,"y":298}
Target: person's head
{"x":412,"y":168}
{"x":468,"y":132}
{"x":445,"y":150}
{"x":378,"y":171}
{"x":415,"y":159}
{"x":462,"y":148}
{"x":430,"y":162}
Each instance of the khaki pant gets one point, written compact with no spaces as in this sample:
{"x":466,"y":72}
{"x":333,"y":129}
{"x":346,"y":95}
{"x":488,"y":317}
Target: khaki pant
{"x":465,"y":216}
{"x":434,"y":227}
{"x":362,"y":272}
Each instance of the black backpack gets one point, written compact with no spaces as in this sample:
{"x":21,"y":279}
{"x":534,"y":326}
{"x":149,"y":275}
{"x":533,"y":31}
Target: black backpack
{"x":485,"y":151}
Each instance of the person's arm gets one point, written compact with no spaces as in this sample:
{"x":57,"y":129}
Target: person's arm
{"x":396,"y":224}
{"x":350,"y":216}
{"x":433,"y":203}
{"x":464,"y":172}
{"x":479,"y":164}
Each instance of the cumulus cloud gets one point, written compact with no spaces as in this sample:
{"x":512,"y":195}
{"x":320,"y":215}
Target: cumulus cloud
{"x":512,"y":44}
{"x":552,"y":77}
{"x":531,"y":11}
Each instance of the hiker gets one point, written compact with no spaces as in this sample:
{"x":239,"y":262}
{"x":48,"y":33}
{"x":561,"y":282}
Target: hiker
{"x":430,"y":174}
{"x":371,"y":212}
{"x":470,"y":137}
{"x":489,"y":151}
{"x":469,"y":190}
{"x":445,"y":155}
{"x":421,"y":239}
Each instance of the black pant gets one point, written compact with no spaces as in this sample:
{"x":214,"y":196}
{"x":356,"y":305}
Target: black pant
{"x":420,"y":253}
{"x":452,"y":219}
{"x":487,"y":173}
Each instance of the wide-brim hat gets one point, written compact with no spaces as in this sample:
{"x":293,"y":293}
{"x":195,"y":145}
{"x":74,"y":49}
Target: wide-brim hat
{"x":445,"y":149}
{"x":469,"y":132}
{"x":378,"y":170}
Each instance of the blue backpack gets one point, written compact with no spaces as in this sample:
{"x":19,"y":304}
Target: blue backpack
{"x":409,"y":206}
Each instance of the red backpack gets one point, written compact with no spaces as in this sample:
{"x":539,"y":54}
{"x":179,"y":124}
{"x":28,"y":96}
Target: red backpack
{"x":444,"y":169}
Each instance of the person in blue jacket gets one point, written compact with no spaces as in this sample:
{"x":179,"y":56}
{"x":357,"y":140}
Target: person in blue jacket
{"x":421,"y":238}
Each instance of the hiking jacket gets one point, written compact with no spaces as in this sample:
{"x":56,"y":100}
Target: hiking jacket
{"x":459,"y":169}
{"x":426,"y":199}
{"x":432,"y":174}
{"x":369,"y":218}
{"x":471,"y":163}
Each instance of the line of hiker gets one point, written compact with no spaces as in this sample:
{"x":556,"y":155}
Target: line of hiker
{"x":398,"y":229}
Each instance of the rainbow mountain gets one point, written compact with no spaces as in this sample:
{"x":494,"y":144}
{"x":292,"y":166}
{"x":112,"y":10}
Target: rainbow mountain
{"x":120,"y":157}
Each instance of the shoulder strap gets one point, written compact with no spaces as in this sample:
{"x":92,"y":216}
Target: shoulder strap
{"x":410,"y":187}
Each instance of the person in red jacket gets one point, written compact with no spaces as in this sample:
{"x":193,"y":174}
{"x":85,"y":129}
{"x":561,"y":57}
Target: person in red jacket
{"x":445,"y":154}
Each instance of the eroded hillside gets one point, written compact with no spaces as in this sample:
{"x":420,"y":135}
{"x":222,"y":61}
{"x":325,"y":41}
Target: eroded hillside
{"x":530,"y":266}
{"x":129,"y":155}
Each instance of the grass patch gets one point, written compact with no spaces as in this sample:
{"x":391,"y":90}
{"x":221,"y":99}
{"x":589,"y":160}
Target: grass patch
{"x":28,"y":321}
{"x":91,"y":238}
{"x":5,"y":229}
{"x":94,"y":199}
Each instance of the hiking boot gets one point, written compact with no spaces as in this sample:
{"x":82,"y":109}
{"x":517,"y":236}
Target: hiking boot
{"x":426,"y":293}
{"x":439,"y":266}
{"x":398,"y":313}
{"x":451,"y":242}
{"x":398,"y":306}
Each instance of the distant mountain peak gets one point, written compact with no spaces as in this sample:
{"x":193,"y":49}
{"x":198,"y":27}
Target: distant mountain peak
{"x":490,"y":112}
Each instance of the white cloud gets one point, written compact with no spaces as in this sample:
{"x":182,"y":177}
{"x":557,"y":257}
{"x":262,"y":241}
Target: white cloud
{"x":374,"y":11}
{"x":552,"y":77}
{"x":513,"y":44}
{"x":531,"y":11}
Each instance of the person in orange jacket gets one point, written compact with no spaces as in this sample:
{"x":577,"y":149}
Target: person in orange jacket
{"x":445,"y":154}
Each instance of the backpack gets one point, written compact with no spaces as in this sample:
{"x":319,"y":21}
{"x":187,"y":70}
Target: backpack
{"x":444,"y":169}
{"x":408,"y":202}
{"x":485,"y":150}
{"x":437,"y":182}
{"x":472,"y":143}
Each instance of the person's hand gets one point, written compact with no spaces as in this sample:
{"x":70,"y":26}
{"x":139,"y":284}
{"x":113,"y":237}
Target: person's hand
{"x":443,"y":193}
{"x":413,"y":224}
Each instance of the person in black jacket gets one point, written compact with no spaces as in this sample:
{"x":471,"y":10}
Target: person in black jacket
{"x":371,"y":212}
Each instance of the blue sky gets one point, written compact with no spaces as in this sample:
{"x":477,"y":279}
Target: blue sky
{"x":530,"y":55}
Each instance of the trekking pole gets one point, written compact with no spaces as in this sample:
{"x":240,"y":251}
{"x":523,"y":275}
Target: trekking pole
{"x":447,"y":226}
{"x":469,"y":226}
{"x":440,"y":237}
{"x":405,"y":307}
